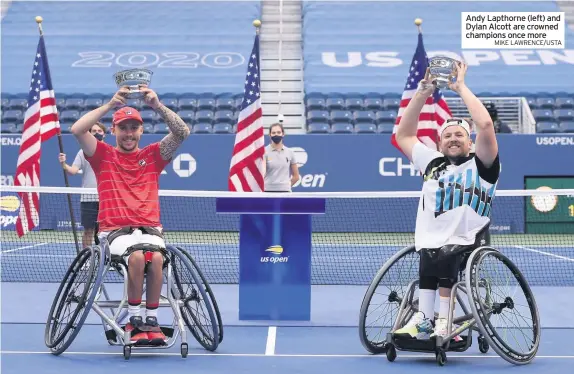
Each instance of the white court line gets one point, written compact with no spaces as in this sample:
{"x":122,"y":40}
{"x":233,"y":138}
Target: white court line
{"x":28,"y":246}
{"x":271,"y":338}
{"x":147,"y":353}
{"x":318,"y":245}
{"x":545,"y":253}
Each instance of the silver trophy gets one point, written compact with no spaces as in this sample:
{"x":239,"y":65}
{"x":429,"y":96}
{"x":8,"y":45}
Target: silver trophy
{"x":442,"y":70}
{"x":133,"y":78}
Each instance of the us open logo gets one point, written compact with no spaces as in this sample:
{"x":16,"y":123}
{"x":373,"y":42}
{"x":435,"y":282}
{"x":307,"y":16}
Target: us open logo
{"x":9,"y":204}
{"x":276,"y":252}
{"x":307,"y":180}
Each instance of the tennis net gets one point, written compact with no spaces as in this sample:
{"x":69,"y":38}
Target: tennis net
{"x":350,"y":242}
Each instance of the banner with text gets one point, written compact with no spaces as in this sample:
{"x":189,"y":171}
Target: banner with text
{"x":327,"y":163}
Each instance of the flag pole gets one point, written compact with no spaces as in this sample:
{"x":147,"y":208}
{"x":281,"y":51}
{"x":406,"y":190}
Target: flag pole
{"x":39,"y":20}
{"x":419,"y":22}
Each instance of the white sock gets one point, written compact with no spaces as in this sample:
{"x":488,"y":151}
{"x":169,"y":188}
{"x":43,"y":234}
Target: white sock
{"x":134,"y":310}
{"x":151,"y":312}
{"x":426,"y":303}
{"x":444,"y":307}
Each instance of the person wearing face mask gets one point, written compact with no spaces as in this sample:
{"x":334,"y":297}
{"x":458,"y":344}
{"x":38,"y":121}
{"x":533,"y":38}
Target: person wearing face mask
{"x":89,"y":205}
{"x":280,"y":168}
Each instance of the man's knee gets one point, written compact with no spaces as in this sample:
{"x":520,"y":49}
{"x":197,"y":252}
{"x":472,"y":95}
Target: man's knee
{"x":136,"y":259}
{"x":157,"y":259}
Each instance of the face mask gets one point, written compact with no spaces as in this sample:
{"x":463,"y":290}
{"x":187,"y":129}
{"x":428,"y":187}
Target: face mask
{"x":276,"y":139}
{"x":99,"y":136}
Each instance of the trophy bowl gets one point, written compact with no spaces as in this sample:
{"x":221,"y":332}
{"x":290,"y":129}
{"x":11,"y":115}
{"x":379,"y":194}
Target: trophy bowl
{"x":442,"y":70}
{"x":133,"y":78}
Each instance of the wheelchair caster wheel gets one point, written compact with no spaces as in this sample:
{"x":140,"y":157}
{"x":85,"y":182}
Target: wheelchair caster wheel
{"x":127,"y":352}
{"x":441,"y":358}
{"x":391,"y":352}
{"x":184,"y":350}
{"x":483,"y":346}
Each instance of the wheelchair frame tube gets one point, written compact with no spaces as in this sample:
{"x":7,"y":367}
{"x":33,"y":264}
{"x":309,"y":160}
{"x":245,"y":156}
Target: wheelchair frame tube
{"x":467,"y":321}
{"x":408,"y":296}
{"x":125,"y":336}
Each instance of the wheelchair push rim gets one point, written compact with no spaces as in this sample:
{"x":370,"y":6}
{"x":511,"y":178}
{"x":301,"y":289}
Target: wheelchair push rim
{"x":504,"y":306}
{"x":200,"y":321}
{"x":59,"y":334}
{"x":383,"y":299}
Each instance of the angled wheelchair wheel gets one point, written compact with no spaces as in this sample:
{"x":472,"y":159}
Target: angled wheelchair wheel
{"x":74,"y":299}
{"x":503,"y":305}
{"x":197,"y":311}
{"x":208,"y":290}
{"x":380,"y":306}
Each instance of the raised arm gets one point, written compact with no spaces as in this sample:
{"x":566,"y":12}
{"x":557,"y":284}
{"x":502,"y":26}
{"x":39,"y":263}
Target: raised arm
{"x":178,"y":128}
{"x":406,"y":135}
{"x":486,"y":144}
{"x":81,"y":129}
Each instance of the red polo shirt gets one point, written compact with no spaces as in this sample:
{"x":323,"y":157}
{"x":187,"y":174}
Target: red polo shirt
{"x":128,"y":186}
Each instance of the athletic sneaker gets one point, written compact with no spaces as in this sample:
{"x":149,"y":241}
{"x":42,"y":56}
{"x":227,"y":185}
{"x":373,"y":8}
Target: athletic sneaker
{"x":418,"y":327}
{"x":154,"y":333}
{"x":441,"y":330}
{"x":136,"y":326}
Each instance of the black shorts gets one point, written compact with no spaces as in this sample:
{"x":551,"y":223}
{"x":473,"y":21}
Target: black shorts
{"x":89,"y":212}
{"x":448,"y":261}
{"x":440,"y":263}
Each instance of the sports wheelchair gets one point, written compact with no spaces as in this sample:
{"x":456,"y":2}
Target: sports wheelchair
{"x":496,"y":292}
{"x":187,"y":293}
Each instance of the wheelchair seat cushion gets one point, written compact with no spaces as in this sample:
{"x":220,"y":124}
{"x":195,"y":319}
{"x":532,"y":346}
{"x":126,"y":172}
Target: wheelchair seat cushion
{"x":127,"y":240}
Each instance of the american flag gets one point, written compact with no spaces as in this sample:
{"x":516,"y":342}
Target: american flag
{"x":434,"y":113}
{"x":40,"y":124}
{"x":246,"y":174}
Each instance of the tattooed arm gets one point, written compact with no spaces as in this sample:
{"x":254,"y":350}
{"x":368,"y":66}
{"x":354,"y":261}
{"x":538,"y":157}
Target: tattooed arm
{"x":178,"y":132}
{"x":177,"y":127}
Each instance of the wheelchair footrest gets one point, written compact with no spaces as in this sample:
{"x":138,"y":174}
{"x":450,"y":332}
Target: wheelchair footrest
{"x":112,"y":336}
{"x":167,"y":331}
{"x":429,"y":345}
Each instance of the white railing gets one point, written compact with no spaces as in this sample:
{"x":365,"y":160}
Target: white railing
{"x":513,"y":111}
{"x":280,"y":55}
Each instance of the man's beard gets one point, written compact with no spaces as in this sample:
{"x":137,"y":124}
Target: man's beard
{"x":455,"y":159}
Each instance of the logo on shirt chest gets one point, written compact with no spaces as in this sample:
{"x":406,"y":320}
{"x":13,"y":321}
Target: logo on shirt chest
{"x":142,"y":163}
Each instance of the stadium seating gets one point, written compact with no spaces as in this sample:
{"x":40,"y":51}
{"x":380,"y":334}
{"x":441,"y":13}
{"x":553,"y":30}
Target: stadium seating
{"x":553,"y":112}
{"x":357,"y":56}
{"x":211,"y":113}
{"x":190,"y":46}
{"x":345,"y":94}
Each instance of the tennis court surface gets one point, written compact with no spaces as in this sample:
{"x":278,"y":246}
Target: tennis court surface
{"x":350,"y":243}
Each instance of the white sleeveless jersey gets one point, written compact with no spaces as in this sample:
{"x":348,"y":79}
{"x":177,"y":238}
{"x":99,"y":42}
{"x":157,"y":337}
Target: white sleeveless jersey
{"x":456,"y":201}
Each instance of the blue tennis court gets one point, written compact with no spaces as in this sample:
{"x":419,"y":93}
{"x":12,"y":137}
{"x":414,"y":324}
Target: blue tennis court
{"x":340,"y":263}
{"x":330,"y":341}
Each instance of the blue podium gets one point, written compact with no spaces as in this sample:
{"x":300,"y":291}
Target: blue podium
{"x":274,"y":255}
